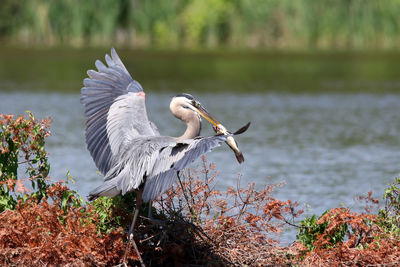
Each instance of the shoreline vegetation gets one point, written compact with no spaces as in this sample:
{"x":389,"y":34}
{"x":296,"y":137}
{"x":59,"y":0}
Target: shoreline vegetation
{"x":50,"y":224}
{"x":199,"y":24}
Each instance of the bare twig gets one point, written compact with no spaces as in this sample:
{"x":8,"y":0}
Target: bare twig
{"x":192,"y":213}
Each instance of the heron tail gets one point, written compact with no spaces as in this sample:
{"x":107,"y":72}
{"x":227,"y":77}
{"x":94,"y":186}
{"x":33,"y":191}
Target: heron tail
{"x":108,"y":189}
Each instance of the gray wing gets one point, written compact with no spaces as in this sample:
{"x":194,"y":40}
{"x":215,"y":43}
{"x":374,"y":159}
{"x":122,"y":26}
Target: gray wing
{"x":173,"y":158}
{"x":158,"y":160}
{"x":113,"y":109}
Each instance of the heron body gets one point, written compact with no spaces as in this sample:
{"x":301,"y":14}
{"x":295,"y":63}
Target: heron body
{"x":125,"y":145}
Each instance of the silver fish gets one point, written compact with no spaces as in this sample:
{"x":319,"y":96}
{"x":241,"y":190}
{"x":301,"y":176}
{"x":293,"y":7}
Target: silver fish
{"x":230,"y":141}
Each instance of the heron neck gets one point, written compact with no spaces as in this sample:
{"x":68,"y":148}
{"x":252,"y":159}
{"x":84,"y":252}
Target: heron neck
{"x":193,"y":128}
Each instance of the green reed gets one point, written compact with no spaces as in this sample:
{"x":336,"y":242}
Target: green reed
{"x":289,"y":24}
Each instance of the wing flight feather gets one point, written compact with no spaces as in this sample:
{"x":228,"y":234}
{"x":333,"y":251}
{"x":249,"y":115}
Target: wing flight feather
{"x":175,"y":158}
{"x":110,"y":100}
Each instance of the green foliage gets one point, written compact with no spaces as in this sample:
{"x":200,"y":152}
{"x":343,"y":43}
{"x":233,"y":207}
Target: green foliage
{"x":103,"y":207}
{"x":193,"y":23}
{"x":205,"y":20}
{"x":13,"y":16}
{"x":22,"y":145}
{"x":74,"y":20}
{"x":389,"y":217}
{"x":115,"y":212}
{"x":311,"y":229}
{"x":333,"y":226}
{"x":70,"y":198}
{"x":110,"y":216}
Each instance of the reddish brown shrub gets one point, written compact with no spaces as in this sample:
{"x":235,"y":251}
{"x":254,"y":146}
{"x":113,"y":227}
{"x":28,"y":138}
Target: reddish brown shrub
{"x":236,"y":225}
{"x":44,"y":233}
{"x":367,"y":244}
{"x":194,"y":223}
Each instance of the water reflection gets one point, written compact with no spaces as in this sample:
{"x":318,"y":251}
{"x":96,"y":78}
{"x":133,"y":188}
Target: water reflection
{"x":60,"y":69}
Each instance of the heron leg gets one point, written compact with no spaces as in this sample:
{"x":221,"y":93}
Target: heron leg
{"x":149,"y":215}
{"x":130,"y":233}
{"x":137,"y":209}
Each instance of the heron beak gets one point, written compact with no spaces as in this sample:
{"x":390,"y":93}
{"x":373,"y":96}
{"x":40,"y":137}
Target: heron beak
{"x":204,"y":113}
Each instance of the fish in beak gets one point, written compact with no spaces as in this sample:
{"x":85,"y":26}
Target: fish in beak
{"x":220,"y":129}
{"x":230,"y":141}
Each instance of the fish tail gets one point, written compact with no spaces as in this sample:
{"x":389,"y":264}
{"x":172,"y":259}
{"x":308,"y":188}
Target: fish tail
{"x":239,"y":156}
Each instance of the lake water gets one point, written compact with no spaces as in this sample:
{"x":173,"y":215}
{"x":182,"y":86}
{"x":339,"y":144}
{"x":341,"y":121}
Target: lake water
{"x":328,"y":140}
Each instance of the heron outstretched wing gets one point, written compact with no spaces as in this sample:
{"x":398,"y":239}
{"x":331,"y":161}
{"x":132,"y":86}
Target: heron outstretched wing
{"x":158,"y":160}
{"x":172,"y":159}
{"x":115,"y":106}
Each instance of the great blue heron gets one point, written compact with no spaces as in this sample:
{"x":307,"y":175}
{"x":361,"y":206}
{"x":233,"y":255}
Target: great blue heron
{"x":126,"y":147}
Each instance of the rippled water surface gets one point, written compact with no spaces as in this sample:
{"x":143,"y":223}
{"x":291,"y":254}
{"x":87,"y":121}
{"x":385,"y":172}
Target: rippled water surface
{"x":326,"y":146}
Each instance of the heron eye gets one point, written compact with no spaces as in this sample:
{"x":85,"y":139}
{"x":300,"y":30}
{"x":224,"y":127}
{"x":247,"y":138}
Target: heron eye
{"x":195,"y":104}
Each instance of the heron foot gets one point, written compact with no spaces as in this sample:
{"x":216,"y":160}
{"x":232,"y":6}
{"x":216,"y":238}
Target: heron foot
{"x":131,"y":240}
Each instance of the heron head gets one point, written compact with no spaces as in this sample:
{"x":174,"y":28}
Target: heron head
{"x":187,"y":101}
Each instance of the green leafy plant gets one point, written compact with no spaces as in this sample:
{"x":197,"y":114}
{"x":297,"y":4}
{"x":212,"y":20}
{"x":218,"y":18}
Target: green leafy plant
{"x":110,"y":215}
{"x":49,"y":223}
{"x":389,"y":217}
{"x":312,"y":228}
{"x":309,"y":231}
{"x":22,"y":146}
{"x":337,"y":225}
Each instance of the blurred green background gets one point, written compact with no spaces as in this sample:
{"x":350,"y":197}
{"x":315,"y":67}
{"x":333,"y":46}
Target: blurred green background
{"x":287,"y":24}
